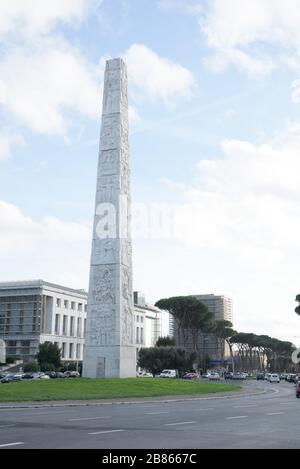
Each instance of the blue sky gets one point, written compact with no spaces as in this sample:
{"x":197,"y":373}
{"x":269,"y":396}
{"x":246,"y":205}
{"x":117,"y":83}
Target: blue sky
{"x":214,"y":134}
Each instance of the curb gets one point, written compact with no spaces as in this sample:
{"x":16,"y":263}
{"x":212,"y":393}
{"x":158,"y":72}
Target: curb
{"x":97,"y":403}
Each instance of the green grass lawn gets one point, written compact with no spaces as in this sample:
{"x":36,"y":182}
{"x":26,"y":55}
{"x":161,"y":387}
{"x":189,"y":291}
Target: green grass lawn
{"x":77,"y":389}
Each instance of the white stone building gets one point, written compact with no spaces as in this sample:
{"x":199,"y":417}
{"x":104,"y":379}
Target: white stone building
{"x":33,"y":312}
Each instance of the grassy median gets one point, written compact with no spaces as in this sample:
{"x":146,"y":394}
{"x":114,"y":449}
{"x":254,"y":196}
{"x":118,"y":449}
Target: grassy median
{"x":81,"y":388}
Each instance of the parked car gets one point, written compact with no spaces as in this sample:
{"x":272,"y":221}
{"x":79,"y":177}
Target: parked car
{"x":298,"y":389}
{"x":238,"y":376}
{"x":214,"y":377}
{"x":17,"y":377}
{"x":274,"y":378}
{"x":190,"y":376}
{"x":228,"y":375}
{"x":168,"y":374}
{"x":291,"y":377}
{"x":260,"y":376}
{"x":7,"y":378}
{"x":51,"y":374}
{"x":72,"y":374}
{"x":28,"y":376}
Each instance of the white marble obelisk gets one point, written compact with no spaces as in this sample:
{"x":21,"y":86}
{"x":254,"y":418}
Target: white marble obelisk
{"x":110,"y":351}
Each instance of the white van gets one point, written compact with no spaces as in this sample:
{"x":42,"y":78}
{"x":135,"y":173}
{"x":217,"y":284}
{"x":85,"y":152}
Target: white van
{"x":274,"y":378}
{"x":168,"y":374}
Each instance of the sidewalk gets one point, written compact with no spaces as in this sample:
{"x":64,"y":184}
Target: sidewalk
{"x":130,"y":400}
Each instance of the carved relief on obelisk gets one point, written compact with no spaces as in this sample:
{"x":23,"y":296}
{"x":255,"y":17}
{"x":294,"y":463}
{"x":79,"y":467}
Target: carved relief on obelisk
{"x":110,"y":348}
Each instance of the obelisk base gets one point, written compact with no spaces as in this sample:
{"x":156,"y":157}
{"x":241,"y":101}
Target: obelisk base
{"x":110,"y":362}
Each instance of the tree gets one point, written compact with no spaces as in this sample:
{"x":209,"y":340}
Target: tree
{"x":165,"y":342}
{"x":31,"y":367}
{"x":49,"y":353}
{"x":156,"y":359}
{"x":224,"y":331}
{"x":182,"y":308}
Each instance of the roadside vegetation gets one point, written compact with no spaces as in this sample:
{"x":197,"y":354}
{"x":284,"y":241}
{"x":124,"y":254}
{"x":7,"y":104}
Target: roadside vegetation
{"x":81,"y":389}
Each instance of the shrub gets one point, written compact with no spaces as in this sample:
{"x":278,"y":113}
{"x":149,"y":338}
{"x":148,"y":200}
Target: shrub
{"x":31,"y":367}
{"x":47,"y":367}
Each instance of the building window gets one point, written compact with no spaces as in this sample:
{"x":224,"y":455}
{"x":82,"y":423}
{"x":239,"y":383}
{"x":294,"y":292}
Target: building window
{"x":142,"y":319}
{"x":11,"y":343}
{"x":57,"y":324}
{"x":78,"y":347}
{"x":66,"y":304}
{"x":79,"y":306}
{"x":137,"y":319}
{"x":25,"y":343}
{"x":78,"y":327}
{"x":71,"y":350}
{"x":142,"y":335}
{"x":84,"y":327}
{"x":72,"y":326}
{"x":137,"y":335}
{"x":85,"y":308}
{"x":65,"y":325}
{"x":58,"y":302}
{"x":63,"y":350}
{"x":73,"y":305}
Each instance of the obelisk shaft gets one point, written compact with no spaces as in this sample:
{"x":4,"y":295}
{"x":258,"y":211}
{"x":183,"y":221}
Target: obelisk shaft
{"x":110,"y":350}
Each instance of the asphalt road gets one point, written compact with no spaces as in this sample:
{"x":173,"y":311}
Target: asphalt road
{"x":268,"y":420}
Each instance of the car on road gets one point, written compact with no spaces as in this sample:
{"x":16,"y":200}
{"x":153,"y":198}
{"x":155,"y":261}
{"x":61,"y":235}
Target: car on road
{"x":238,"y":376}
{"x":298,"y":389}
{"x":214,"y":377}
{"x":260,"y":376}
{"x":228,"y":375}
{"x":291,"y":377}
{"x":274,"y":378}
{"x":168,"y":374}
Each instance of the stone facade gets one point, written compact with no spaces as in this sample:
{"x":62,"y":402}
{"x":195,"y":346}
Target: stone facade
{"x":33,"y":312}
{"x":110,"y":345}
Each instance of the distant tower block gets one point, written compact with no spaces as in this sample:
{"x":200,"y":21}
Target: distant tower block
{"x":110,"y":349}
{"x":2,"y":351}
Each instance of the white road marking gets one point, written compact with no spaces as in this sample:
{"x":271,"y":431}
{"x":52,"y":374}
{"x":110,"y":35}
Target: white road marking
{"x":155,"y":413}
{"x":178,"y":423}
{"x":8,"y":425}
{"x":242,"y":406}
{"x":238,"y":417}
{"x":107,"y":431}
{"x":90,"y":418}
{"x":285,"y":403}
{"x":207,"y":408}
{"x":12,"y":444}
{"x":275,"y":413}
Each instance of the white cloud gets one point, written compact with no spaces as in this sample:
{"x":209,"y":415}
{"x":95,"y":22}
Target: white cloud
{"x":238,"y":30}
{"x":241,"y":60}
{"x":49,"y":248}
{"x":155,"y":76}
{"x":241,"y":231}
{"x":44,"y":82}
{"x":32,"y":17}
{"x":7,"y":140}
{"x":296,"y":91}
